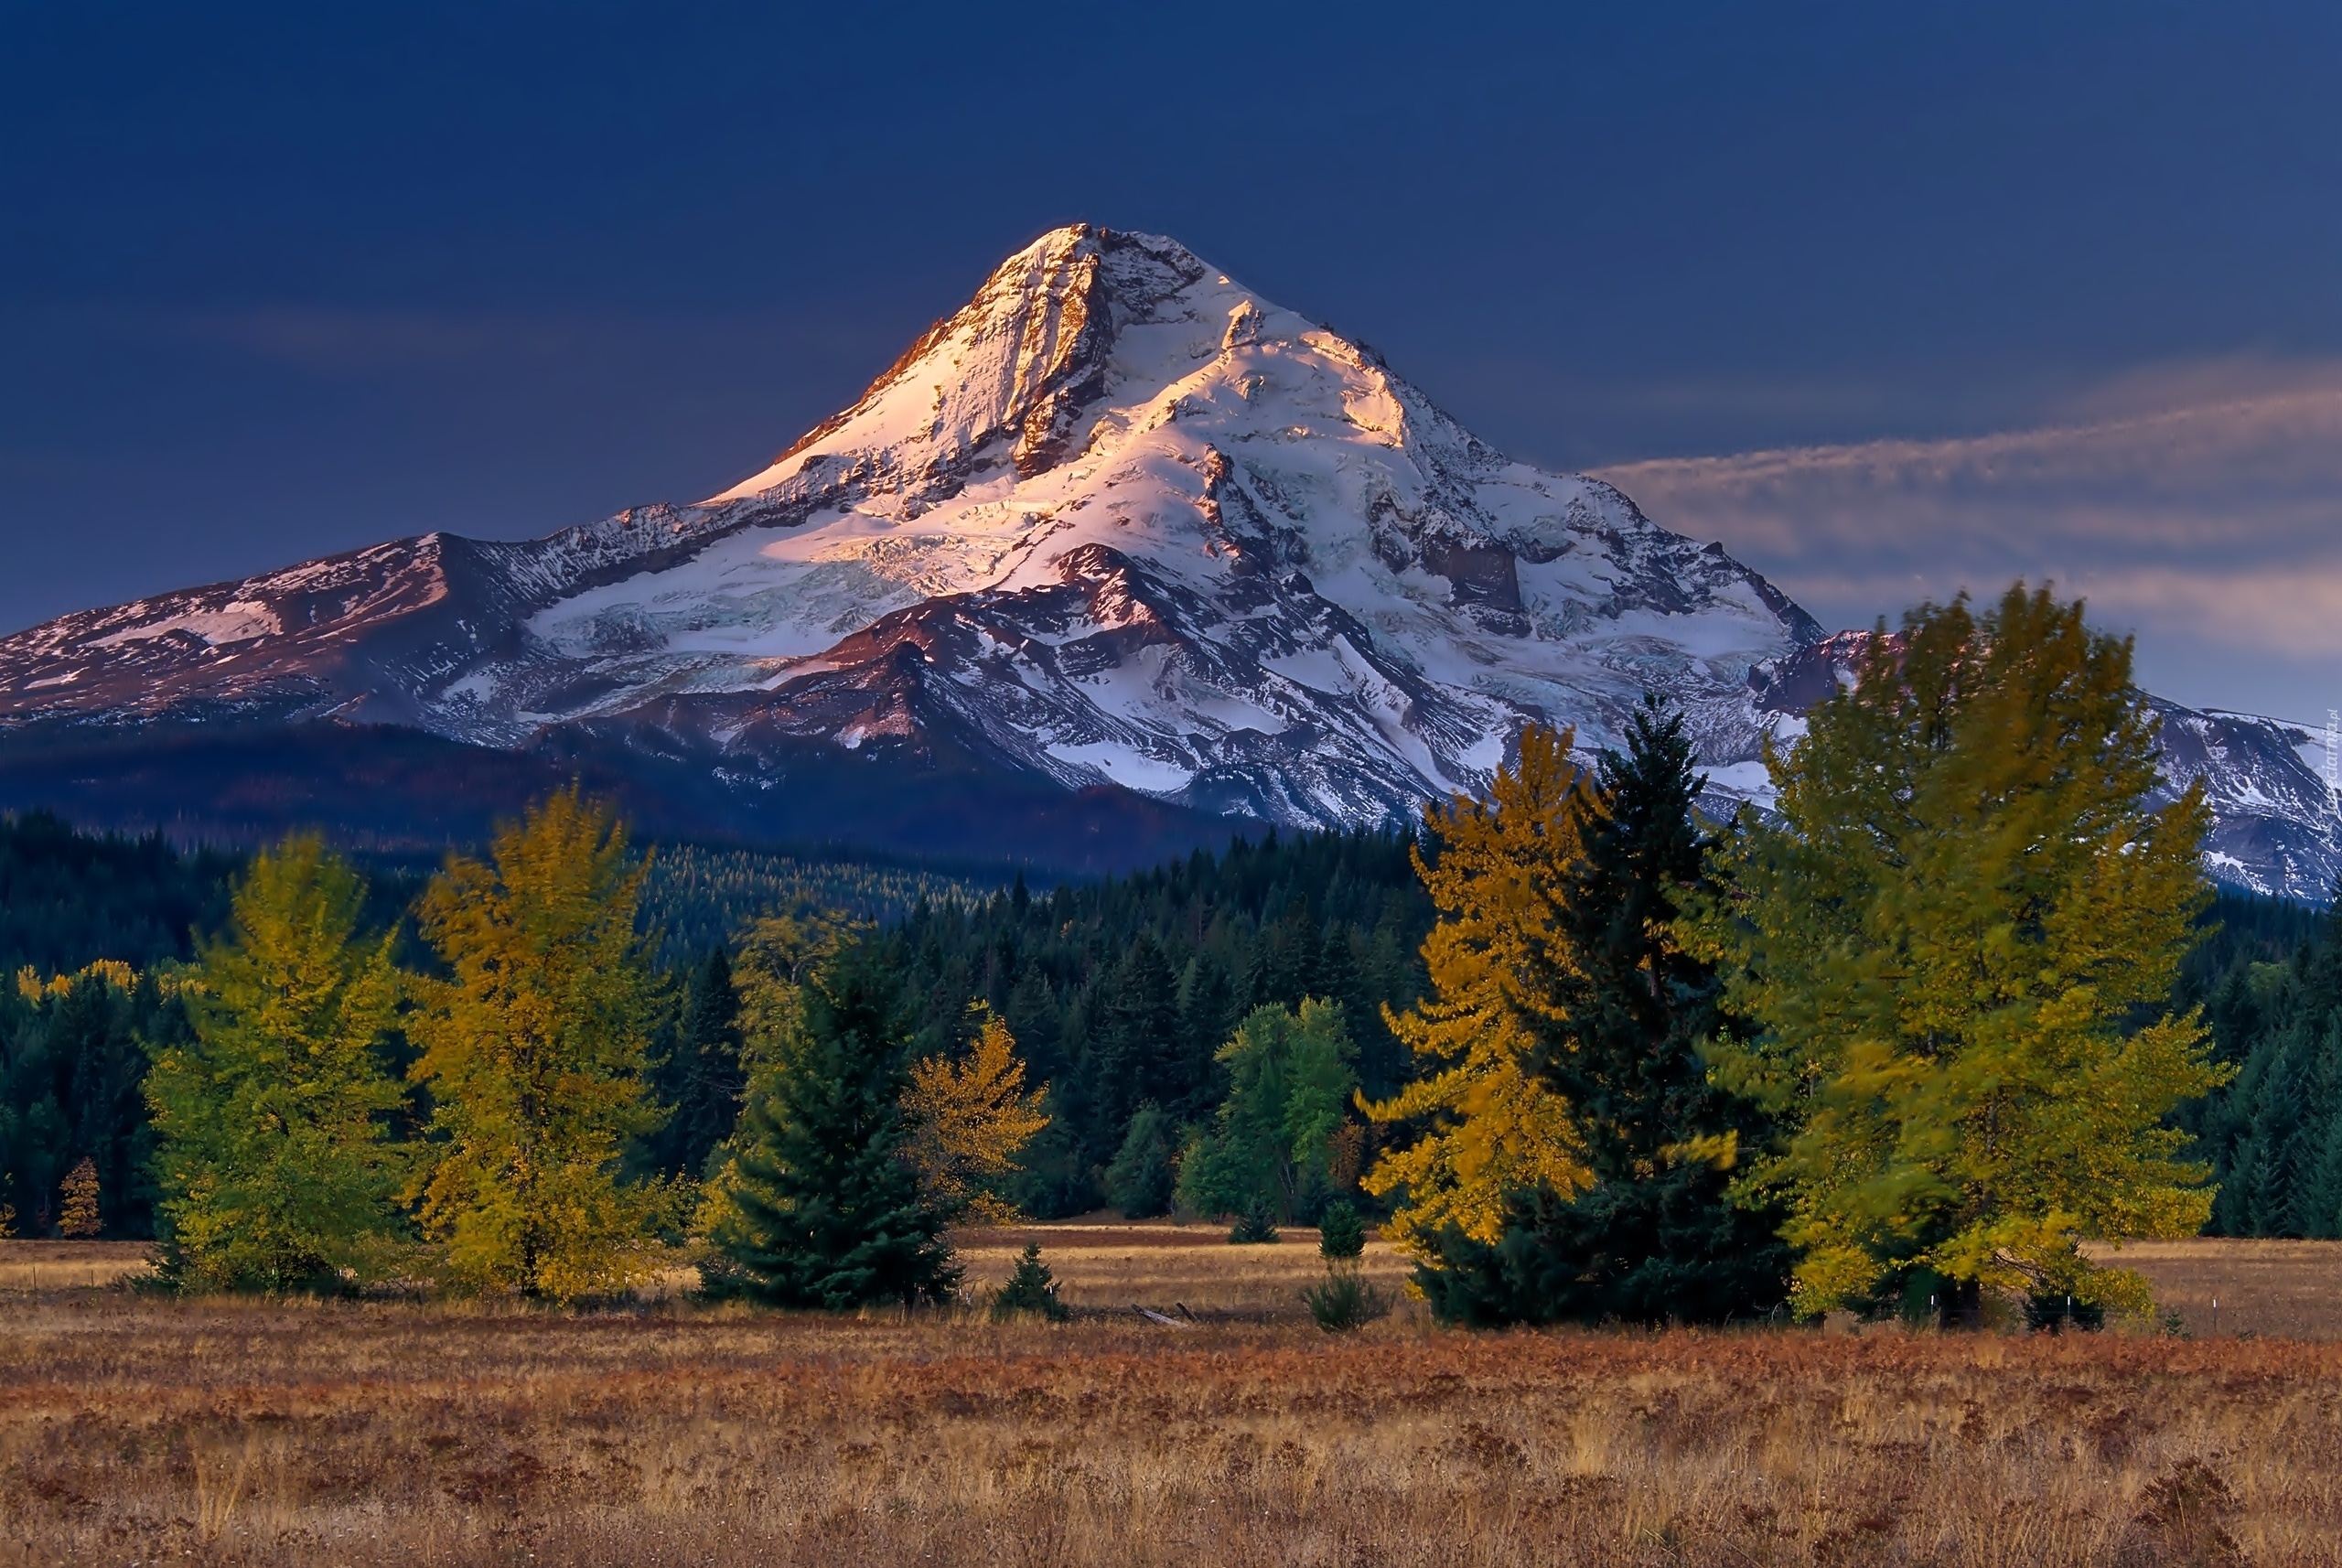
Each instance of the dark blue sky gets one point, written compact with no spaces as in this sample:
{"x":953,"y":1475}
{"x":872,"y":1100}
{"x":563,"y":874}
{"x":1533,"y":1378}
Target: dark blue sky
{"x":277,"y":280}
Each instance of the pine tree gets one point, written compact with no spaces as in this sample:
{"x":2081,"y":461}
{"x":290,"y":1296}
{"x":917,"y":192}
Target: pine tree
{"x":534,"y":1052}
{"x":1057,"y":1181}
{"x":1958,"y":941}
{"x":1139,"y":1182}
{"x":1037,"y":1022}
{"x":273,"y":1155}
{"x":1206,"y":1014}
{"x":1489,"y":1128}
{"x":1340,"y":1232}
{"x":970,"y":1122}
{"x":701,"y":1076}
{"x":1619,"y":1017}
{"x":1139,"y":1054}
{"x":1031,"y":1290}
{"x":825,"y":1212}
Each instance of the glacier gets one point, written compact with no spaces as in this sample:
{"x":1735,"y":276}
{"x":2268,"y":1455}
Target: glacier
{"x":1119,"y":525}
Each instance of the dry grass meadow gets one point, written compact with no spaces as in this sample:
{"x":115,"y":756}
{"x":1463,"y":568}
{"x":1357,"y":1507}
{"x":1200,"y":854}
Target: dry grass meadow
{"x":137,"y":1429}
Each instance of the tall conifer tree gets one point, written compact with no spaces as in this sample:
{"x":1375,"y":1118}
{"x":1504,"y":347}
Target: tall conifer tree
{"x":1486,"y":1127}
{"x":1139,"y":1054}
{"x":1616,"y":1014}
{"x":701,"y":1077}
{"x":824,"y":1210}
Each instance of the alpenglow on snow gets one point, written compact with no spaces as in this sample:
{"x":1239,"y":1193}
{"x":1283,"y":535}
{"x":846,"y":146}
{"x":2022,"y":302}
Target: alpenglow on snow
{"x":1119,"y":524}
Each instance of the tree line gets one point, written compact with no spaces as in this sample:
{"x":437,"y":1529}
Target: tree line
{"x":1960,"y":1003}
{"x":2271,"y":987}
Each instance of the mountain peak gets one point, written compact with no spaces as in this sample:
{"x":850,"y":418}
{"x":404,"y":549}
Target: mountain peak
{"x":1115,"y":520}
{"x":1116,"y":530}
{"x":1014,"y":365}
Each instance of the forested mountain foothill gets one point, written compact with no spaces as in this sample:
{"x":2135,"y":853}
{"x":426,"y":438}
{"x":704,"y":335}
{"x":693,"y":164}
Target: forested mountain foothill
{"x":1596,"y":1058}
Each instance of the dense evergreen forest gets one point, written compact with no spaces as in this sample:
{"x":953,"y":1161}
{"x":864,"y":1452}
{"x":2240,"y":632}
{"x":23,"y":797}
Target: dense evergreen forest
{"x":68,"y":898}
{"x":86,"y":923}
{"x":1118,"y":993}
{"x":2270,"y":983}
{"x":700,"y":898}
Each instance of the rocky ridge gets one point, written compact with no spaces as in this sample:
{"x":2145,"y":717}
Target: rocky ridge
{"x":1118,"y":527}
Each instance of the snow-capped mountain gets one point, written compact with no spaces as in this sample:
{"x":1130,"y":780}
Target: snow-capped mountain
{"x":2276,"y":824}
{"x":1118,"y":531}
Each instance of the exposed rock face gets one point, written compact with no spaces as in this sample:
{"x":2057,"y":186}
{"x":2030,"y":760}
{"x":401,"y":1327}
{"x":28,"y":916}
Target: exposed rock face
{"x":1118,"y":524}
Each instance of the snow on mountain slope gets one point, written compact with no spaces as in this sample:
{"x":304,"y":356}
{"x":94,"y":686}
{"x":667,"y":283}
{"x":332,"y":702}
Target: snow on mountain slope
{"x":1119,"y":522}
{"x":2276,"y":828}
{"x":1198,"y":546}
{"x":1180,"y":538}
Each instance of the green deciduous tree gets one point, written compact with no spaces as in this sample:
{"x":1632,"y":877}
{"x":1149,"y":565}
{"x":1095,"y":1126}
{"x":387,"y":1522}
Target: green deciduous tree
{"x":535,"y":1053}
{"x":1957,"y":940}
{"x":1291,"y":1078}
{"x":822,"y":1210}
{"x":271,"y":1157}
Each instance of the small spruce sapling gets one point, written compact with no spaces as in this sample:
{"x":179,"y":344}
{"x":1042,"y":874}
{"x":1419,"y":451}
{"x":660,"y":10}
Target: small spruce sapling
{"x":1340,"y":1232}
{"x":1344,"y":1300}
{"x":1030,"y":1290}
{"x":1257,"y":1226}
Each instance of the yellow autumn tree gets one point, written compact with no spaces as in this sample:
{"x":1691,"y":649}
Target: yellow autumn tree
{"x":969,"y":1120}
{"x":535,"y":1053}
{"x":78,"y":1219}
{"x":1488,"y":1125}
{"x":779,"y":955}
{"x":1958,"y":939}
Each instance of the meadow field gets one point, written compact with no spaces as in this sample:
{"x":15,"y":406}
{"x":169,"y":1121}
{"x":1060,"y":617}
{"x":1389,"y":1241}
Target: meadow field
{"x":135,"y":1428}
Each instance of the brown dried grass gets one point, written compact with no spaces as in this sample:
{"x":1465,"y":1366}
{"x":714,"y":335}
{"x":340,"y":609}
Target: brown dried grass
{"x":1112,"y":1266}
{"x":241,"y":1432}
{"x":62,"y":1265}
{"x":2291,"y":1289}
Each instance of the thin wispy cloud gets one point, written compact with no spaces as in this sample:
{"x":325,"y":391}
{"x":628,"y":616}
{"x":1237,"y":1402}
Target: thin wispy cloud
{"x":2212,"y":528}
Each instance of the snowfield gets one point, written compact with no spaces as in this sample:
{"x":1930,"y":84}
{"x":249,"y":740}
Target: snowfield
{"x":1117,"y":522}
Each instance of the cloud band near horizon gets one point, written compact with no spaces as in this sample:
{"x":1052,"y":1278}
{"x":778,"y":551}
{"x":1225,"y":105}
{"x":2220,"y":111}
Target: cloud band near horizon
{"x":2212,"y":530}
